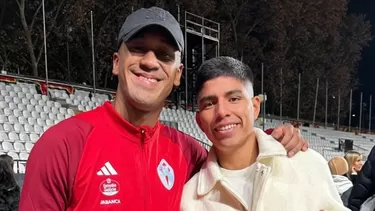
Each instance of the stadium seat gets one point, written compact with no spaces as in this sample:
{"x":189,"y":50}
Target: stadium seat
{"x":63,"y":110}
{"x":41,"y":122}
{"x":3,"y":119}
{"x":22,"y":120}
{"x":30,"y":107}
{"x":19,"y":147}
{"x":3,"y":104}
{"x":37,"y":97}
{"x":18,"y":127}
{"x":14,"y":155}
{"x":55,"y":110}
{"x":4,"y":92}
{"x":70,"y":111}
{"x":29,"y":96}
{"x":49,"y":122}
{"x":24,"y":156}
{"x":7,"y":146}
{"x":28,"y":146}
{"x":26,"y":113}
{"x":34,"y":137}
{"x":12,"y":105}
{"x":8,"y":127}
{"x":29,"y":128}
{"x":24,"y":137}
{"x":31,"y":120}
{"x":21,"y":106}
{"x":35,"y":114}
{"x":12,"y":119}
{"x":13,"y":136}
{"x":33,"y":102}
{"x":38,"y":129}
{"x":8,"y":112}
{"x":43,"y":115}
{"x":60,"y":116}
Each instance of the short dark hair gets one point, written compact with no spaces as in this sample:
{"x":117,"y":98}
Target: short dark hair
{"x":222,"y":66}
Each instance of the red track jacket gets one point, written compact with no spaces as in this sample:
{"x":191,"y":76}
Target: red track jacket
{"x":98,"y":161}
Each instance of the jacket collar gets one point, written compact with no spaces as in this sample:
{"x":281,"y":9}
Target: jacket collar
{"x":210,"y":172}
{"x":127,"y":129}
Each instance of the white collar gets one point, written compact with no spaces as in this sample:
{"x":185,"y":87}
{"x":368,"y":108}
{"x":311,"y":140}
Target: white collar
{"x":210,"y":172}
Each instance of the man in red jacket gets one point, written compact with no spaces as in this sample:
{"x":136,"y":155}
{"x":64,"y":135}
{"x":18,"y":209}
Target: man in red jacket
{"x":119,"y":156}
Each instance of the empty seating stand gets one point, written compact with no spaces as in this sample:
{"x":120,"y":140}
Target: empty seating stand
{"x":25,"y":115}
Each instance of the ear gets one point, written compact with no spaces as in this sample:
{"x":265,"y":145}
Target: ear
{"x":198,"y":120}
{"x":177,"y":79}
{"x":115,"y":63}
{"x":256,"y":106}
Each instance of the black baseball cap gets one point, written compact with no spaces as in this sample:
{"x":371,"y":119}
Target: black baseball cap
{"x":153,"y":16}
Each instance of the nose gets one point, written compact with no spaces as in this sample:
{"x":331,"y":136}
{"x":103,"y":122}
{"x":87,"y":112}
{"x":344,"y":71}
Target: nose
{"x":149,"y":62}
{"x":222,"y":110}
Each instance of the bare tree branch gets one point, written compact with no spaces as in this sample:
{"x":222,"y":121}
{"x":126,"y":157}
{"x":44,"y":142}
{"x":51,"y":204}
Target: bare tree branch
{"x":34,"y":16}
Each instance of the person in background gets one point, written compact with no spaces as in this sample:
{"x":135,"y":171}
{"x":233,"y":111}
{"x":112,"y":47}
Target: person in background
{"x":339,"y":168}
{"x":9,"y":189}
{"x":364,"y":185}
{"x":355,"y":164}
{"x":247,"y":169}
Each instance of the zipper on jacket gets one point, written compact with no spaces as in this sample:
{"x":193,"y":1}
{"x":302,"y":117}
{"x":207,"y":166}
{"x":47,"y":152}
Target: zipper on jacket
{"x":143,"y":134}
{"x":145,"y":168}
{"x":260,"y":181}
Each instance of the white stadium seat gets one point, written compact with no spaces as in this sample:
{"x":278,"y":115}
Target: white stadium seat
{"x":34,"y":137}
{"x":24,"y":155}
{"x":13,"y":137}
{"x":28,"y":146}
{"x":14,"y":155}
{"x":7,"y":146}
{"x":8,"y":127}
{"x":38,"y":129}
{"x":4,"y":136}
{"x":29,"y":128}
{"x":3,"y":118}
{"x":24,"y":137}
{"x":19,"y":147}
{"x":18,"y":127}
{"x":22,"y":120}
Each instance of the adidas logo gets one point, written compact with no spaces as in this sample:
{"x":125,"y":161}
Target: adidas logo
{"x":107,"y":170}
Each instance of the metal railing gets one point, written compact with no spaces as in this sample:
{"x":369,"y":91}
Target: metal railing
{"x":17,"y":166}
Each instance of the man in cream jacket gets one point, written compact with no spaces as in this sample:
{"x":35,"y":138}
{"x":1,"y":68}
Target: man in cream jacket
{"x":247,"y":169}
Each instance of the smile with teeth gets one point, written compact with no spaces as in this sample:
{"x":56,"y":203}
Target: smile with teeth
{"x":226,"y":127}
{"x":148,"y":79}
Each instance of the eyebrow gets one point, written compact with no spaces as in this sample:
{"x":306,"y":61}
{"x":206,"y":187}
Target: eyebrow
{"x":228,"y":93}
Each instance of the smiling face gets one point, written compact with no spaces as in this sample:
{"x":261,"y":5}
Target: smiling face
{"x":148,"y":66}
{"x":227,"y":111}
